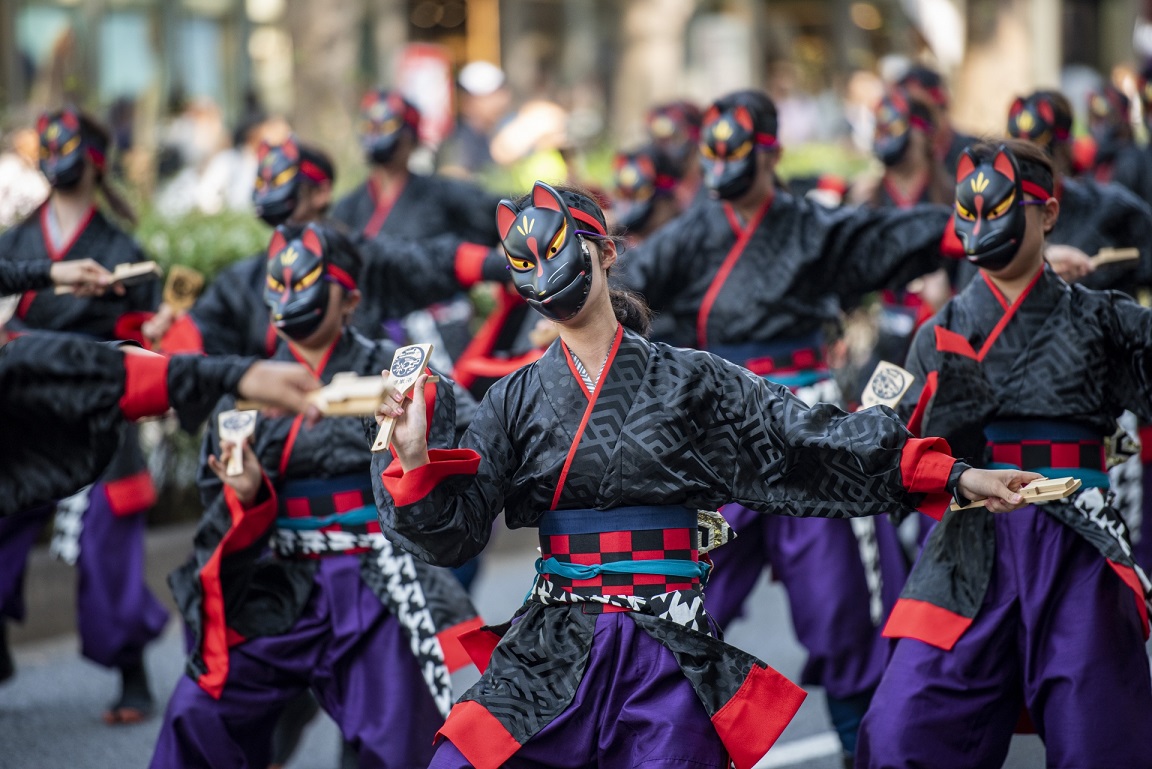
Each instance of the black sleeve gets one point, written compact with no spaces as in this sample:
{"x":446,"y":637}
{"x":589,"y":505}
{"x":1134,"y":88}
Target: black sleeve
{"x":197,"y":383}
{"x":653,"y":268}
{"x":474,"y":210}
{"x":17,"y":276}
{"x":871,"y":249}
{"x":402,"y":275}
{"x":1128,"y":335}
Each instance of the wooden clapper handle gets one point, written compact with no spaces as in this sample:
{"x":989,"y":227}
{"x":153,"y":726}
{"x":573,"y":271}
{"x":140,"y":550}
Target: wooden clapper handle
{"x":236,"y":426}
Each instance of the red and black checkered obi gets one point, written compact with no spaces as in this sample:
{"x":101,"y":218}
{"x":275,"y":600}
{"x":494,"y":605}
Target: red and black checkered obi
{"x":1054,"y":449}
{"x":634,"y":551}
{"x":326,"y":516}
{"x":791,"y":362}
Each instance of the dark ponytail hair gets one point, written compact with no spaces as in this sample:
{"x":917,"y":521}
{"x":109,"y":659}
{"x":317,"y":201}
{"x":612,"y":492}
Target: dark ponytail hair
{"x":631,"y":310}
{"x":93,"y":130}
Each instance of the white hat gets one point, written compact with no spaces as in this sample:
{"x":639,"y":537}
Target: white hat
{"x":481,"y":78}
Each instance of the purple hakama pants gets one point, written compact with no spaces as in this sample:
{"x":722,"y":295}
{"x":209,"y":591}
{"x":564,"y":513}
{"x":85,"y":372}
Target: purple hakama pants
{"x":818,"y":562}
{"x":354,"y":655}
{"x":116,"y":614}
{"x":1058,"y":633}
{"x":633,"y":708}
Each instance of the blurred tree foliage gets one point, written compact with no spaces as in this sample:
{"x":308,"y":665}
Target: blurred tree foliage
{"x":204,"y":242}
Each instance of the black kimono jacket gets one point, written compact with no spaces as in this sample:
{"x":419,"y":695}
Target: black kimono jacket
{"x":665,"y":426}
{"x":234,"y":589}
{"x":426,"y":207}
{"x":103,"y":317}
{"x":785,"y":277}
{"x":109,"y":317}
{"x":1060,"y":354}
{"x":66,"y":398}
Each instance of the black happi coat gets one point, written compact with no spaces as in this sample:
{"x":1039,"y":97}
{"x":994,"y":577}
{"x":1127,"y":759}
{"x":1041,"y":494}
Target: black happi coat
{"x":427,"y":206}
{"x":795,"y":272}
{"x":666,"y":426}
{"x":257,"y":594}
{"x":103,"y":317}
{"x":1064,"y":354}
{"x":400,"y":275}
{"x":1095,"y":216}
{"x":64,"y":403}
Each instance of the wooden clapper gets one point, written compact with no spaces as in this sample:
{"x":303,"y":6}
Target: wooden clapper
{"x":1039,"y":490}
{"x":236,"y":426}
{"x":125,"y":274}
{"x":1114,"y":256}
{"x":182,"y":287}
{"x":407,"y":366}
{"x":352,"y":395}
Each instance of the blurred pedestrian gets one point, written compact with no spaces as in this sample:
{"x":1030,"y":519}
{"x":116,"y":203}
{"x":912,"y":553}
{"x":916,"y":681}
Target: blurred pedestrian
{"x":485,"y":100}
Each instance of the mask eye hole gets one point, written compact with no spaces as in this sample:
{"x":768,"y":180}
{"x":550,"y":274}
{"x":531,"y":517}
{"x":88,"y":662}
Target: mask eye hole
{"x":558,"y":241}
{"x":274,"y":284}
{"x":964,"y":213}
{"x":1003,"y":208}
{"x":310,"y":278}
{"x":283,"y":176}
{"x":70,"y":145}
{"x":520,"y":265}
{"x":707,"y":151}
{"x":740,"y":151}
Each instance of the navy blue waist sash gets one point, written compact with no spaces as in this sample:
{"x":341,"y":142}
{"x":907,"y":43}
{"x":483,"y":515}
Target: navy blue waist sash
{"x":315,"y":503}
{"x":1051,"y":448}
{"x":643,"y":550}
{"x":797,"y":362}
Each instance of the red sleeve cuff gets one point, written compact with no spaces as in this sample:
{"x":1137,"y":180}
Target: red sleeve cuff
{"x":924,"y":466}
{"x":470,"y":263}
{"x":409,"y":488}
{"x":145,"y":385}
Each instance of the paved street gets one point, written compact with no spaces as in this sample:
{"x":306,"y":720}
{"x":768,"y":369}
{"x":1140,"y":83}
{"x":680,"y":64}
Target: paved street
{"x":49,"y":714}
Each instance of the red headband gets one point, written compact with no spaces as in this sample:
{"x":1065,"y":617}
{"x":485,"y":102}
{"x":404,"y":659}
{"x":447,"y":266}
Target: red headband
{"x":1035,"y":190}
{"x":313,"y":171}
{"x":919,"y":122}
{"x":588,"y":219}
{"x":765,"y":141}
{"x":341,"y":277}
{"x":97,"y":158}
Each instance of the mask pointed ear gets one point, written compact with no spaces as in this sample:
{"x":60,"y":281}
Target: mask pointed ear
{"x":1016,"y":108}
{"x":277,"y":244}
{"x":965,"y":166}
{"x":544,"y":196}
{"x":312,"y":241}
{"x":1005,"y":164}
{"x":506,"y":214}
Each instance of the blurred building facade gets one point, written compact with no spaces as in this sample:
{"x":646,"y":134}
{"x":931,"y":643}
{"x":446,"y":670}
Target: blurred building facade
{"x":604,"y":60}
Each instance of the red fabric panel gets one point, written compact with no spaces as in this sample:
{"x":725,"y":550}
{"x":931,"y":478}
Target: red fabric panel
{"x":950,"y":341}
{"x":932,"y":624}
{"x":1065,"y":455}
{"x":183,"y":336}
{"x":1146,"y":444}
{"x":1128,"y":576}
{"x":343,"y":501}
{"x":455,"y":655}
{"x":925,"y":465}
{"x":1009,"y":453}
{"x":751,"y":722}
{"x":478,"y":735}
{"x":145,"y":385}
{"x":409,"y":488}
{"x":470,"y":262}
{"x":248,"y":524}
{"x":131,"y":495}
{"x":915,"y":422}
{"x":482,"y":344}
